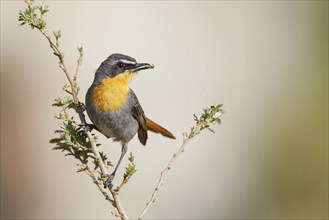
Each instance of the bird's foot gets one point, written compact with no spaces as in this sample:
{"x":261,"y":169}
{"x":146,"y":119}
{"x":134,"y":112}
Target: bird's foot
{"x":81,"y":106}
{"x":88,"y":127}
{"x":108,"y":182}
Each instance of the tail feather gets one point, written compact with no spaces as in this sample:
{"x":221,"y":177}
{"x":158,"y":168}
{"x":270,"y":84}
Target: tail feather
{"x":152,"y":126}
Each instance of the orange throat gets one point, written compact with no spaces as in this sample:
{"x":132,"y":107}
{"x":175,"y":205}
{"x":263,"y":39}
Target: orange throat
{"x":112,"y":93}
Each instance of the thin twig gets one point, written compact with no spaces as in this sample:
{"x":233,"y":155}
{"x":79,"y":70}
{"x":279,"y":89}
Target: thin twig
{"x":62,"y":64}
{"x":196,"y":130}
{"x":79,"y":61}
{"x":99,"y":185}
{"x":124,"y":182}
{"x":98,"y":157}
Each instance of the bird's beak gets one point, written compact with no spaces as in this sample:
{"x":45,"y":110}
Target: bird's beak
{"x":141,"y":66}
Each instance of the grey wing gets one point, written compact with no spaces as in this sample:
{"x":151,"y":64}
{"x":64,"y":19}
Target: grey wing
{"x":138,"y":114}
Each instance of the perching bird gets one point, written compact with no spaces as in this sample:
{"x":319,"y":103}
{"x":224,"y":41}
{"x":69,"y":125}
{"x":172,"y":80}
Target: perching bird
{"x":114,"y":108}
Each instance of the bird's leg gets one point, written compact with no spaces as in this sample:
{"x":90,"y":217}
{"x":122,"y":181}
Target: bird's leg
{"x":108,"y":182}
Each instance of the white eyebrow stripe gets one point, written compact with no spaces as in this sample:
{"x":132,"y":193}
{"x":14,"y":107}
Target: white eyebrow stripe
{"x":127,"y":61}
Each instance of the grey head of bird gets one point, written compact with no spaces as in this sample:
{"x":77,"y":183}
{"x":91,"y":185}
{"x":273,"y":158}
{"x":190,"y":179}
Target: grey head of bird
{"x":117,"y":64}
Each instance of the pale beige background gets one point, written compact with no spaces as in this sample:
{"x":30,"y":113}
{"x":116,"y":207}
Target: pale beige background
{"x":266,"y":61}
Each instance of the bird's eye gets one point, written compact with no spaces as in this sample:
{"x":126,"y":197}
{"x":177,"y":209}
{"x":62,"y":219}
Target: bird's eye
{"x":121,"y":65}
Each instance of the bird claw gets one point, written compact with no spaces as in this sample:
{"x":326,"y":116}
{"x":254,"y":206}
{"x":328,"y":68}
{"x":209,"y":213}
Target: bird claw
{"x":82,"y":106}
{"x":108,"y":182}
{"x":89,"y":127}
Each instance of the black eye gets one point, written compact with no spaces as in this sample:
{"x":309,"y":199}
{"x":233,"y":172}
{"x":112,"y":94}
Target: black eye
{"x":121,"y":65}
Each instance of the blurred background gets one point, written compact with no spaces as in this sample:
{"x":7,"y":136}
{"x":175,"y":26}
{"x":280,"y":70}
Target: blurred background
{"x":267,"y":62}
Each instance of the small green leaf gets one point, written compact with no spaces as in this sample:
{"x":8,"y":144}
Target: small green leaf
{"x":54,"y":140}
{"x":209,"y":117}
{"x":57,"y":34}
{"x":80,"y":49}
{"x":110,"y":164}
{"x":131,"y":168}
{"x":131,"y":158}
{"x":43,"y":8}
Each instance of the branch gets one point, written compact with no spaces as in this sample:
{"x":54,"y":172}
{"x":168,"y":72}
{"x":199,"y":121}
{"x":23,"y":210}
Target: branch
{"x":162,"y":176}
{"x":98,"y":157}
{"x":74,"y":94}
{"x":79,"y":61}
{"x":30,"y":17}
{"x":208,"y":118}
{"x":99,"y":185}
{"x":118,"y":204}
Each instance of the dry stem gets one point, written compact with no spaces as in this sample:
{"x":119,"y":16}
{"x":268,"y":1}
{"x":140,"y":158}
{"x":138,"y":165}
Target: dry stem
{"x":98,"y":184}
{"x":118,"y":205}
{"x":196,"y":130}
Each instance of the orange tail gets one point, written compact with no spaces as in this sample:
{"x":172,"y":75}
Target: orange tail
{"x":152,"y":126}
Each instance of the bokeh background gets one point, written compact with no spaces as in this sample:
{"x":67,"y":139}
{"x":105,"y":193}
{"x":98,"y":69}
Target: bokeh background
{"x":267,"y":62}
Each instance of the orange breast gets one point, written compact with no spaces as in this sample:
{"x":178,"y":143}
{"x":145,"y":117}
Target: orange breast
{"x":112,"y":93}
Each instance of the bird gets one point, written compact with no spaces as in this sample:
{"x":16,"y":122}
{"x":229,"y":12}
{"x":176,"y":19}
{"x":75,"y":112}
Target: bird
{"x":113,"y":107}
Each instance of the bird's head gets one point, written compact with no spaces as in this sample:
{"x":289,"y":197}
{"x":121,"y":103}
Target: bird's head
{"x":119,"y":64}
